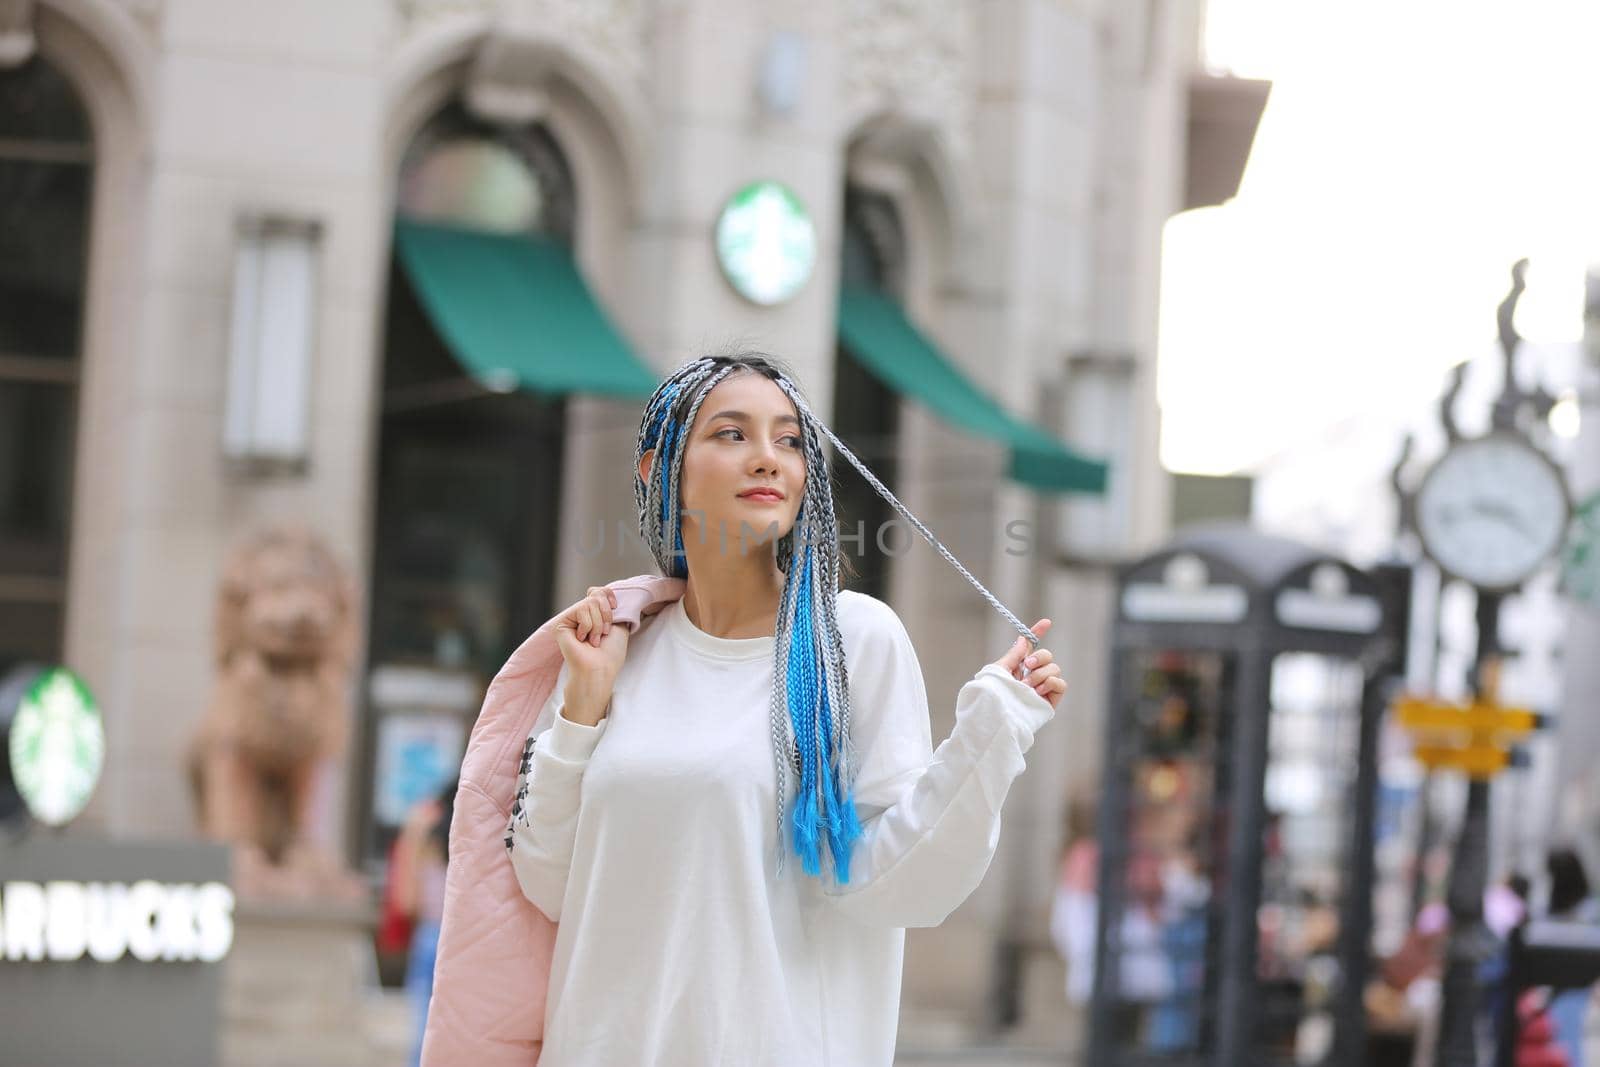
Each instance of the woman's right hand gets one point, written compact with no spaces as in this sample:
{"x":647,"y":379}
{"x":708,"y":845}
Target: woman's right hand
{"x":594,"y":649}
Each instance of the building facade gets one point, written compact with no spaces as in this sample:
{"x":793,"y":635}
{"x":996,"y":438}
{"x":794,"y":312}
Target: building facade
{"x":175,"y":173}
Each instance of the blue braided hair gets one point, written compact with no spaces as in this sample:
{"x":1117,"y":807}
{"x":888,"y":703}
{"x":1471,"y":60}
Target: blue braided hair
{"x":810,"y":702}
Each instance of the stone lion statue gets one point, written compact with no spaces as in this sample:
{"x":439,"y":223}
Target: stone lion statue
{"x":286,"y":631}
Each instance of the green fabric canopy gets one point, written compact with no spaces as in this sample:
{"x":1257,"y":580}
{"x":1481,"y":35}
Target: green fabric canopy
{"x":516,"y":313}
{"x":878,"y":334}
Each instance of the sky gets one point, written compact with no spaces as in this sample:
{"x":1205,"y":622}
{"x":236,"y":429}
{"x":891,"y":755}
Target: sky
{"x":1410,"y":152}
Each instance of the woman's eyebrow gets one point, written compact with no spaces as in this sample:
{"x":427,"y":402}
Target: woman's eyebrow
{"x":744,"y":416}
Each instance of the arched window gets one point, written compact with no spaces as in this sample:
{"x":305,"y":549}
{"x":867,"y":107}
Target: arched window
{"x":469,"y":476}
{"x":464,"y":173}
{"x":866,"y":413}
{"x":46,"y":172}
{"x":459,"y":170}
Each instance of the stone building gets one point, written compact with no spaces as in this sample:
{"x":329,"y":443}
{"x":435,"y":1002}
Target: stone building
{"x":234,"y":287}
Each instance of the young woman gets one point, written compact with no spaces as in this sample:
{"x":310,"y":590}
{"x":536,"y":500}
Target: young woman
{"x":764,"y":712}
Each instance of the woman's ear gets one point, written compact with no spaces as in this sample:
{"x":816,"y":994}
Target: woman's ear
{"x":644,"y":464}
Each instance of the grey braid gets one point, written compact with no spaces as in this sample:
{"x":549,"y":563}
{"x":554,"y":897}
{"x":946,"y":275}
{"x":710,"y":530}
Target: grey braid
{"x":883,"y":491}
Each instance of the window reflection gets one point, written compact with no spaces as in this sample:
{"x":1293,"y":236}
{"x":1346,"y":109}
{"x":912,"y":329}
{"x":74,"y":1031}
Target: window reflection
{"x":1162,"y":944}
{"x":46,"y":172}
{"x":1313,"y":752}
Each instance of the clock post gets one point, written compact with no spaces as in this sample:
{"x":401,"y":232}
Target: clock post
{"x":1471,"y":942}
{"x":1491,"y":512}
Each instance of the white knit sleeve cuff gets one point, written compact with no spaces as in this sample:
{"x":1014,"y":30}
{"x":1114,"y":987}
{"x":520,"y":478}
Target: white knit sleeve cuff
{"x":1024,"y":702}
{"x":571,"y":741}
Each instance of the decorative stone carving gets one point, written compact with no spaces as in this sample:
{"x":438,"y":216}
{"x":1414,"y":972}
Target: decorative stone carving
{"x":610,"y":28}
{"x":613,"y":29}
{"x":914,"y":58}
{"x":508,"y":82}
{"x":415,"y":10}
{"x":148,"y":12}
{"x":285,"y":638}
{"x":17,"y":43}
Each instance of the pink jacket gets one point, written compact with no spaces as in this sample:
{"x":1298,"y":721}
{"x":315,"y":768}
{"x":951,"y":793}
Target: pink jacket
{"x":493,"y":966}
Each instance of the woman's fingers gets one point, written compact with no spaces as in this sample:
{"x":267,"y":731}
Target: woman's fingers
{"x":1048,"y":683}
{"x":1044,"y":674}
{"x":590,"y":619}
{"x":1040,"y":669}
{"x":1052,"y":690}
{"x":1012,"y":660}
{"x":1038,"y":655}
{"x":600,"y":599}
{"x":606,"y":600}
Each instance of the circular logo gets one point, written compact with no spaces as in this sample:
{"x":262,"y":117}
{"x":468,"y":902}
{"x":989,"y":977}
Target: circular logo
{"x":766,"y":243}
{"x":1580,"y":561}
{"x":58,"y":746}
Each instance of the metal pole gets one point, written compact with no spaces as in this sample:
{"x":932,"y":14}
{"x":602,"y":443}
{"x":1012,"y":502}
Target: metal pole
{"x":1427,"y":837}
{"x":1355,"y":927}
{"x":1471,"y":942}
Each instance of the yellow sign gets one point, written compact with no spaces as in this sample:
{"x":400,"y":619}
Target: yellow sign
{"x":1479,"y":761}
{"x":1475,"y":738}
{"x":1479,"y":720}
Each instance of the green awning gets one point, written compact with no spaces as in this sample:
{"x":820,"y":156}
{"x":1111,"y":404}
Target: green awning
{"x":878,"y":334}
{"x":516,"y":313}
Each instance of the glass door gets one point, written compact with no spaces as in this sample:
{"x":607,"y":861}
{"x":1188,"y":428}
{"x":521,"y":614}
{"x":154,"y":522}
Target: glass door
{"x":1164,"y":914}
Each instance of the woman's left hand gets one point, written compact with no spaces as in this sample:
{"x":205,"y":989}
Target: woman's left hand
{"x":1038,"y":668}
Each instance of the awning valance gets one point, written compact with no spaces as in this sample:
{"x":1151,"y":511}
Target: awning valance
{"x":516,"y":313}
{"x":877,"y":333}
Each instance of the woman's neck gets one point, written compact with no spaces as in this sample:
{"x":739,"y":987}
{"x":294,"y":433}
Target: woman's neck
{"x":733,"y":597}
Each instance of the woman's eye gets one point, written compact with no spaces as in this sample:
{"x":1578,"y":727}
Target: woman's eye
{"x":793,"y":438}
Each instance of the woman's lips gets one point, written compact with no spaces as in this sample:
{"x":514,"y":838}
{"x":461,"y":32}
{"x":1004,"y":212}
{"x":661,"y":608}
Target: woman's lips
{"x":762,"y":498}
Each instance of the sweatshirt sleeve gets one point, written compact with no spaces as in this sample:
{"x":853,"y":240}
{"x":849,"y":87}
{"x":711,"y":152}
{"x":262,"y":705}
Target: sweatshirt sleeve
{"x":544,"y":817}
{"x":930,"y":820}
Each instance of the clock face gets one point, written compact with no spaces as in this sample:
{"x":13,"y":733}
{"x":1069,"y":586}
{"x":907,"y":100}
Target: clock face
{"x":1492,"y":511}
{"x":766,"y":243}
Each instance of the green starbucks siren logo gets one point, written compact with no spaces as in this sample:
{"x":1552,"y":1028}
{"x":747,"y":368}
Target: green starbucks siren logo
{"x":766,"y":243}
{"x":1580,"y":560}
{"x":57,"y":746}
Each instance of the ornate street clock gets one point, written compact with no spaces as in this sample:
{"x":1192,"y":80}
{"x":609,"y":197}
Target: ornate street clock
{"x":1493,"y":510}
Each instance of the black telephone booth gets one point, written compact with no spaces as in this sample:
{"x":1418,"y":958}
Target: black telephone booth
{"x":1235,"y":825}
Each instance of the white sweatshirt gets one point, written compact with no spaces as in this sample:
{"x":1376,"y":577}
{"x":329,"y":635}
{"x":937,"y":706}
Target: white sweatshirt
{"x":650,"y":839}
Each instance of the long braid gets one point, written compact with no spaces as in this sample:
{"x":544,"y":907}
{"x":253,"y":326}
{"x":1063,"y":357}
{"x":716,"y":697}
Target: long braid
{"x":809,"y":709}
{"x":883,"y":491}
{"x":660,"y":523}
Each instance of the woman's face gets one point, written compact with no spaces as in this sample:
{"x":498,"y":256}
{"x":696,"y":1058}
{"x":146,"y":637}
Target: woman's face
{"x":746,"y":436}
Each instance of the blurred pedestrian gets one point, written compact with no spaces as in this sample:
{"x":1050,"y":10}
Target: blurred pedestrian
{"x":421,"y":858}
{"x":1569,"y":901}
{"x":1074,"y":909}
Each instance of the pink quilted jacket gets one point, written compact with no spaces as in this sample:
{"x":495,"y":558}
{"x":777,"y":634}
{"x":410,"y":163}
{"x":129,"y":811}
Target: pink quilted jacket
{"x":493,"y":967}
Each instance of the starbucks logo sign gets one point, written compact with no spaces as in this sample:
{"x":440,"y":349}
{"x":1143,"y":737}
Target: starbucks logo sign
{"x":58,"y":746}
{"x":766,"y":243}
{"x":1580,"y":560}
